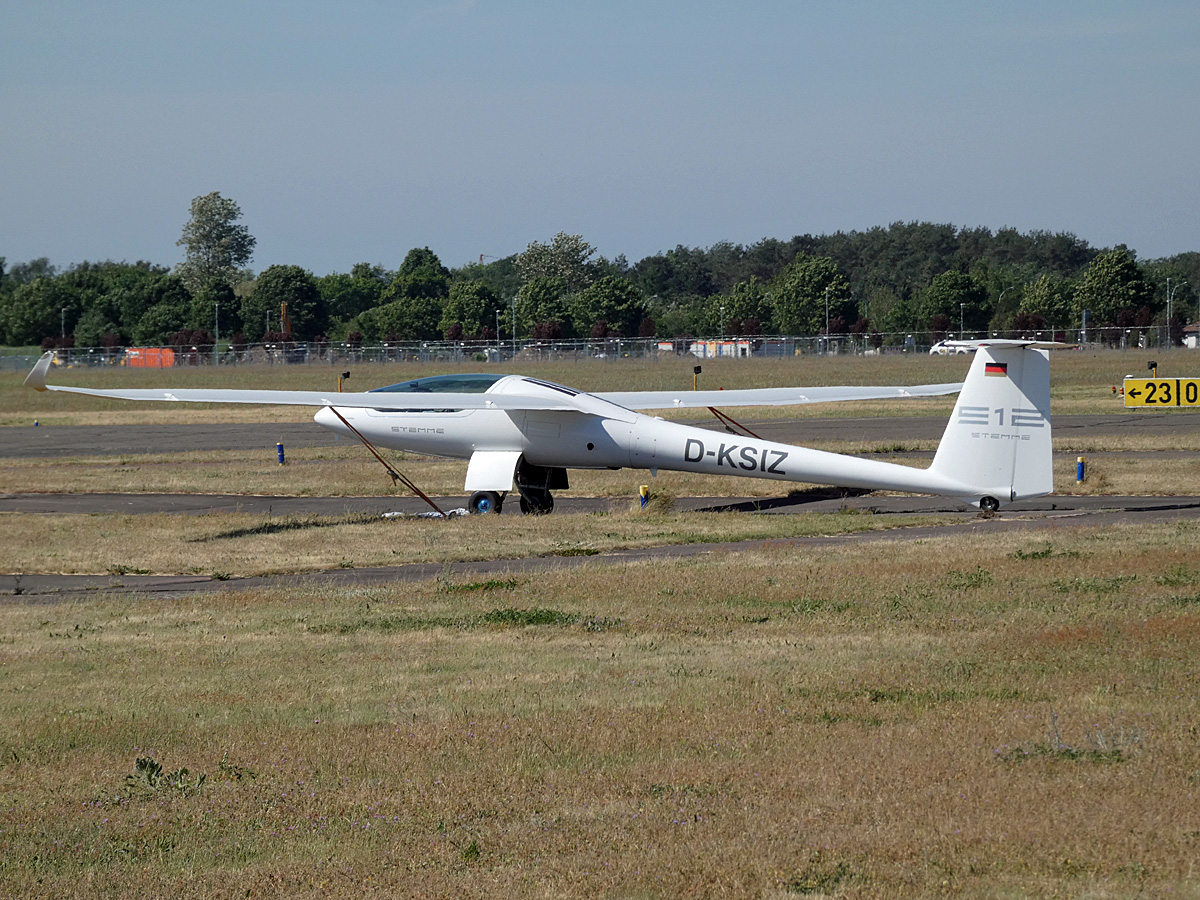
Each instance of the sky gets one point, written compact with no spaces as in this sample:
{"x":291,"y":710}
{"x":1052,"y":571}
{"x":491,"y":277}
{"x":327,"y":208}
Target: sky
{"x":354,"y":131}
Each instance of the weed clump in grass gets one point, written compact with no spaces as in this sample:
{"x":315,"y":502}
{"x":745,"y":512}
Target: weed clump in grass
{"x":501,"y":617}
{"x":961,"y":581}
{"x":1046,"y":552}
{"x":521,"y":617}
{"x":823,"y":876}
{"x":492,"y":584}
{"x":1097,"y":586}
{"x":1177,"y":576}
{"x":517,"y":618}
{"x":149,"y":780}
{"x":659,"y":503}
{"x":1110,"y":745}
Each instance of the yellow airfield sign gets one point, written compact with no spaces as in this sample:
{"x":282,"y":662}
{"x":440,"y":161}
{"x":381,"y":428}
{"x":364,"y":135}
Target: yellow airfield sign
{"x":1162,"y":392}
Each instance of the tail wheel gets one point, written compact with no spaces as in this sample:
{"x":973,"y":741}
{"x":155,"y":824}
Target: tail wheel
{"x":485,"y":502}
{"x":989,"y":504}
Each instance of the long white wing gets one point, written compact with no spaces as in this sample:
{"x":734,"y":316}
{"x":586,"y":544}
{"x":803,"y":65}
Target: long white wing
{"x":770,"y":396}
{"x":376,"y":400}
{"x":37,"y":380}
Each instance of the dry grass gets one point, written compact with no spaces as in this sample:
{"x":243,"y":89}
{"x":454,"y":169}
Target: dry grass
{"x":242,"y":544}
{"x":1137,"y":476}
{"x":1013,"y":717}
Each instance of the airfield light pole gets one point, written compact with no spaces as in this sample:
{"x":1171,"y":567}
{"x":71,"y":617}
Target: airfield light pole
{"x":512,"y":305}
{"x":722,"y":321}
{"x":826,"y":320}
{"x":1170,"y":298}
{"x":1168,"y":311}
{"x":961,"y":307}
{"x":1000,"y":300}
{"x":216,"y":329}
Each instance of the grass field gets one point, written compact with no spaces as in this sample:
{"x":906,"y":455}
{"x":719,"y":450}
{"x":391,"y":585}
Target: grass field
{"x":1009,"y":718}
{"x":1004,"y":717}
{"x":237,"y":544}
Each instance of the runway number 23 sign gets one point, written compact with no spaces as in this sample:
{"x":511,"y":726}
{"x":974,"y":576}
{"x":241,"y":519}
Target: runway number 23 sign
{"x":1162,"y":391}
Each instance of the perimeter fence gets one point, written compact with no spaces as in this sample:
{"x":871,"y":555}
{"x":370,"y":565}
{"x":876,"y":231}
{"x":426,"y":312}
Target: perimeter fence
{"x":343,"y":353}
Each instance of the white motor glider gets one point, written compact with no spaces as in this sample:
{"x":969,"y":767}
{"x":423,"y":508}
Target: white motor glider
{"x":515,"y":429}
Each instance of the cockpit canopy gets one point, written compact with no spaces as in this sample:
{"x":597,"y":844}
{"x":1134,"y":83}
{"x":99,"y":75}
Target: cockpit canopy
{"x":442,"y":384}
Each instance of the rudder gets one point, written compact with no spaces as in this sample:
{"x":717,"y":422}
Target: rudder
{"x":997,"y":443}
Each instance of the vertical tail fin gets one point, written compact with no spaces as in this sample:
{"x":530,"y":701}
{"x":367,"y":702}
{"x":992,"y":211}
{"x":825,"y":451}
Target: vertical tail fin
{"x":997,"y":443}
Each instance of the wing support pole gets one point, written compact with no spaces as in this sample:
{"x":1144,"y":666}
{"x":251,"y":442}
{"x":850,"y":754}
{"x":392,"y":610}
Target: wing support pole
{"x":731,"y":425}
{"x":397,"y":475}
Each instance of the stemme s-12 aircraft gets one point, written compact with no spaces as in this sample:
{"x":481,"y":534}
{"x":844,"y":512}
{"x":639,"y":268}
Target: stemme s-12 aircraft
{"x":518,"y":430}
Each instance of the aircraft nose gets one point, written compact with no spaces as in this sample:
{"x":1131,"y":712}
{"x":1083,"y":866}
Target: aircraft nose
{"x":326,"y":418}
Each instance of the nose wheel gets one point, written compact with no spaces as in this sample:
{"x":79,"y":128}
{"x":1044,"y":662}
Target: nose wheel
{"x":485,"y":502}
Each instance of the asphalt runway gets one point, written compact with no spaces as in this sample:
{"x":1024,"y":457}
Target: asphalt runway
{"x":1044,"y":513}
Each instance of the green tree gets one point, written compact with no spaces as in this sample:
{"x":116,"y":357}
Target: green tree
{"x":412,"y":303}
{"x":500,"y":275}
{"x":41,"y":308}
{"x":956,"y":299}
{"x":612,"y":300}
{"x":159,"y":322}
{"x":93,"y":327}
{"x":216,"y":309}
{"x":137,"y":299}
{"x":679,"y":316}
{"x":567,"y":257}
{"x":1049,"y":300}
{"x":345,"y":296}
{"x":1112,"y":282}
{"x":543,"y":300}
{"x":747,"y":310}
{"x":420,"y":275}
{"x":677,"y":272}
{"x":284,"y":284}
{"x":23,"y":273}
{"x":217,"y":248}
{"x":899,"y":316}
{"x":810,"y":292}
{"x":472,"y":306}
{"x":406,"y":319}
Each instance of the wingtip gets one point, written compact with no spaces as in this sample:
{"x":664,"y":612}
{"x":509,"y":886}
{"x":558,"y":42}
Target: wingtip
{"x":36,"y":378}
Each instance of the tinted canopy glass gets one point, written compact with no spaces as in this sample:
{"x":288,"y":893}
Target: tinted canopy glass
{"x":442,"y":384}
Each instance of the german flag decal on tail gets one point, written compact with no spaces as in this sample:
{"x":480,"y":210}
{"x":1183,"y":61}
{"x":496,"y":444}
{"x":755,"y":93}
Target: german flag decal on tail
{"x":996,"y":368}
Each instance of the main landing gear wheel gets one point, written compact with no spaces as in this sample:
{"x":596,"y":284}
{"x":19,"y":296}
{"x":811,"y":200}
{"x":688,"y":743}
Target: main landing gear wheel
{"x":538,"y":504}
{"x":485,"y":502}
{"x":989,"y":504}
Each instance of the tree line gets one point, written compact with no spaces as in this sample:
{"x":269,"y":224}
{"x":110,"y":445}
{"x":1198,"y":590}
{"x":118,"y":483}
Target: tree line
{"x":883,"y":281}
